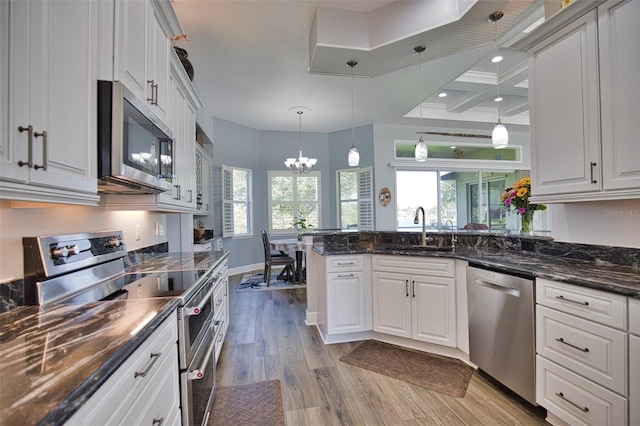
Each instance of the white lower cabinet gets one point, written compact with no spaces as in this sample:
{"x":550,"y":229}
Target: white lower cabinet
{"x":221,"y":306}
{"x":144,"y":390}
{"x":634,"y":361}
{"x":344,"y":301}
{"x":414,"y":297}
{"x":583,"y":360}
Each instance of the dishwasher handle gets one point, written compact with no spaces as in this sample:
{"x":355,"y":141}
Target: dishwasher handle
{"x":497,"y":286}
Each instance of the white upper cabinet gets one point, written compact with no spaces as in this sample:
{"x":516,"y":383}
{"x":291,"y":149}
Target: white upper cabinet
{"x":584,"y":102}
{"x":142,"y":50}
{"x":48,"y":143}
{"x":619,"y":35}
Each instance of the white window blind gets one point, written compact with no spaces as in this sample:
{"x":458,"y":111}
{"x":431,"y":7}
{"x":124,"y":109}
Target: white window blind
{"x":365,"y":199}
{"x":227,"y":201}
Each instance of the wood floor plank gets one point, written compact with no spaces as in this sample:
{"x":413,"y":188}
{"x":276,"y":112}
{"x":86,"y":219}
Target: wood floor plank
{"x":268,"y":340}
{"x":305,"y":417}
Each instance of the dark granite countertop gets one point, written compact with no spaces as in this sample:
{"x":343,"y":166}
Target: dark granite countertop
{"x":54,"y":359}
{"x":613,"y":278}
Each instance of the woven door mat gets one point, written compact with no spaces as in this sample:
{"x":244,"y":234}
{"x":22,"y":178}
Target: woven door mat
{"x":438,"y":373}
{"x":248,"y":405}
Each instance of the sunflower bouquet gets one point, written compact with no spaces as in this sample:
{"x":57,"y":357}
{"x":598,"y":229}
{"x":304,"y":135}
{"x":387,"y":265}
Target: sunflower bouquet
{"x":516,"y":199}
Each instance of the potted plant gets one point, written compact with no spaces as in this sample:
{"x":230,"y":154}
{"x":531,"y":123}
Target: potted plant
{"x":301,"y":226}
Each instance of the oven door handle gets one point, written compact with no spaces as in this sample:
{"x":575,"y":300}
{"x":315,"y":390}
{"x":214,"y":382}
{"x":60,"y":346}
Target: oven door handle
{"x":198,"y":373}
{"x":196,"y":310}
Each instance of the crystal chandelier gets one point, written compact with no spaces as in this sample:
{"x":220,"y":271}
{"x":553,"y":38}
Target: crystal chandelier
{"x":301,"y":164}
{"x":421,"y":152}
{"x":499,"y":136}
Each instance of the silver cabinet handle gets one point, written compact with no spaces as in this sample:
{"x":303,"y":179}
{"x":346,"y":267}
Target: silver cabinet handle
{"x":413,"y":288}
{"x":44,"y":150}
{"x":561,"y":340}
{"x":28,"y":129}
{"x":561,"y":297}
{"x":155,"y":94}
{"x":593,"y":165}
{"x":345,"y":263}
{"x":177,"y":187}
{"x":190,"y":191}
{"x":406,"y":287}
{"x":561,"y":396}
{"x":154,"y":358}
{"x":151,"y":84}
{"x":345,"y":275}
{"x":158,"y":421}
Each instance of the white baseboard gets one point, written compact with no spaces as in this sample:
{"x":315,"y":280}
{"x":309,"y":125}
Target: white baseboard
{"x":311,"y":318}
{"x":246,"y":268}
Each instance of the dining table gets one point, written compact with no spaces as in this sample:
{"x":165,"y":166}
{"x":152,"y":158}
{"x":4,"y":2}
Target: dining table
{"x":289,"y":245}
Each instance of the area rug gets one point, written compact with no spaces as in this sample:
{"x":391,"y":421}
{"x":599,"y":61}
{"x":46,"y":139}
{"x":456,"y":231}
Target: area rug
{"x":439,"y":373}
{"x":256,"y":282}
{"x":248,"y":405}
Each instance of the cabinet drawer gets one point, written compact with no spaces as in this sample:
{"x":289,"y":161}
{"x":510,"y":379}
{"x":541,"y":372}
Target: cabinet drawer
{"x":218,"y":301}
{"x":220,"y":333}
{"x":438,"y":267}
{"x":634,"y":316}
{"x":595,"y":305}
{"x":592,"y":350}
{"x":159,"y":399}
{"x":576,"y":400}
{"x":345,"y":263}
{"x":203,"y":247}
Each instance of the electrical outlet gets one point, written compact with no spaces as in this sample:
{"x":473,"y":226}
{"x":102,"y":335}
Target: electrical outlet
{"x":161,"y":230}
{"x":137,"y":232}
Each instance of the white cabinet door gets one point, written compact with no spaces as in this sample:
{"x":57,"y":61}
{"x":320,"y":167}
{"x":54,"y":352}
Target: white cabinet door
{"x":142,"y":54}
{"x":563,"y":96}
{"x":51,"y":135}
{"x":634,"y":380}
{"x":391,"y":303}
{"x":203,"y":180}
{"x":618,"y":36}
{"x":434,"y":310}
{"x":346,"y":302}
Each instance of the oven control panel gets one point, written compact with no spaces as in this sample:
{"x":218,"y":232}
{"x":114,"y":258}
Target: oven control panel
{"x":55,"y":255}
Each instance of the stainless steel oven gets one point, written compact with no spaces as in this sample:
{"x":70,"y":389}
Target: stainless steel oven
{"x":89,"y":267}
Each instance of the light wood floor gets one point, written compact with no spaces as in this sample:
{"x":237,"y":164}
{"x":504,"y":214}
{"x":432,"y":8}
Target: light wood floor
{"x":268,"y":340}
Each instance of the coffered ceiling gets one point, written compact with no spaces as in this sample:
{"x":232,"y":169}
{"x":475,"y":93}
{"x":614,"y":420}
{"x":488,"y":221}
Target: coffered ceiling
{"x":254,"y":60}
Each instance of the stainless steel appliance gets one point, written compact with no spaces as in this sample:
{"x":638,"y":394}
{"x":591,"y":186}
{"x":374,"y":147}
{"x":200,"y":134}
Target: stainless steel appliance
{"x":89,"y":267}
{"x":502,"y":328}
{"x":135,"y":149}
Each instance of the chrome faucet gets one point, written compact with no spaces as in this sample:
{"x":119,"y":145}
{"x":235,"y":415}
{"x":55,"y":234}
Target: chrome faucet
{"x":423,"y":236}
{"x":454,"y":239}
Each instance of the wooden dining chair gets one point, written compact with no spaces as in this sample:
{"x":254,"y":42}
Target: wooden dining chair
{"x":270,"y":261}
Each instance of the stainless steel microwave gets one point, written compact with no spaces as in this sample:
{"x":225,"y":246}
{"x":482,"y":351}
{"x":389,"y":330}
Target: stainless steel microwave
{"x":135,"y":149}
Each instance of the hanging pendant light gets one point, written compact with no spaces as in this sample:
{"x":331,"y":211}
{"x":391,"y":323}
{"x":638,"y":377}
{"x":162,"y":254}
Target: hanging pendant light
{"x":499,"y":136}
{"x":354,"y":155}
{"x":421,"y":152}
{"x":301,"y":164}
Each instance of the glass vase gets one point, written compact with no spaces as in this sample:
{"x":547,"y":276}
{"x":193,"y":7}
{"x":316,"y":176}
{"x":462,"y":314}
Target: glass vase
{"x":526,"y":226}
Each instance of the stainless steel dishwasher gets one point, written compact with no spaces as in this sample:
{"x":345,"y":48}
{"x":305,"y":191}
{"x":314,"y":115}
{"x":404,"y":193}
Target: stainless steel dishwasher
{"x":502,"y":328}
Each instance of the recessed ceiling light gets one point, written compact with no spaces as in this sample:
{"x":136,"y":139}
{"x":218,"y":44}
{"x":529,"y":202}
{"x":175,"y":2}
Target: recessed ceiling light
{"x":498,"y":99}
{"x":496,"y":58}
{"x":442,"y":94}
{"x":453,"y":147}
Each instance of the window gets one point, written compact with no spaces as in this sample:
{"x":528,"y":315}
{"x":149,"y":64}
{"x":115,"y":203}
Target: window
{"x":291,"y":198}
{"x":237,"y":202}
{"x":355,"y":205}
{"x":452,"y":195}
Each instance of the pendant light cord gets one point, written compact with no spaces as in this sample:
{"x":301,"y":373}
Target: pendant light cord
{"x":420,"y":88}
{"x":300,"y":130}
{"x":497,"y":65}
{"x":353,"y":120}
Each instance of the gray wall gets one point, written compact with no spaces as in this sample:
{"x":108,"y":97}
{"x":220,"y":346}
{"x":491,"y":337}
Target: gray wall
{"x":261,"y":151}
